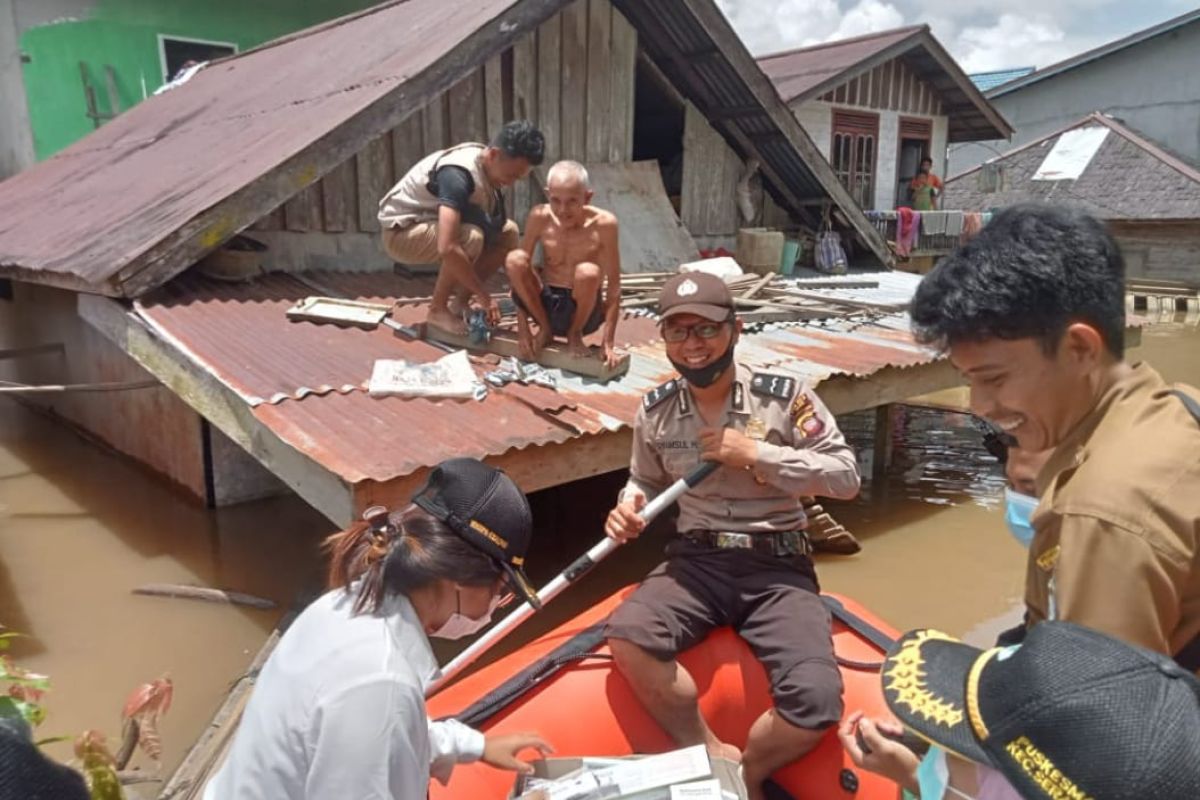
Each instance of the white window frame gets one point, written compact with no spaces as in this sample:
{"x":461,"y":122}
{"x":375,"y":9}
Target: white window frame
{"x":163,"y":38}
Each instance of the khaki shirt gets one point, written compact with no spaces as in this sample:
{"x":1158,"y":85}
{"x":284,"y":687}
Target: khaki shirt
{"x":1117,"y":528}
{"x":800,"y":452}
{"x":410,"y":201}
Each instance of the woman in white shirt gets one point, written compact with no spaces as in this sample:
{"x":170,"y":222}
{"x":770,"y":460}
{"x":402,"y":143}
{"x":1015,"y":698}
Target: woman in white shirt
{"x":339,"y":708}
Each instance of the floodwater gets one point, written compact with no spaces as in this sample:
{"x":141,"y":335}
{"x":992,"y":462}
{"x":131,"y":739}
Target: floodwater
{"x":81,"y":528}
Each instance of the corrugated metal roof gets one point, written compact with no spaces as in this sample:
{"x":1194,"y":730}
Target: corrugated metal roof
{"x":142,"y":198}
{"x":986,"y":81}
{"x":1128,"y":178}
{"x":144,"y":183}
{"x":305,"y":380}
{"x":802,"y":72}
{"x":809,"y":72}
{"x":1095,"y":54}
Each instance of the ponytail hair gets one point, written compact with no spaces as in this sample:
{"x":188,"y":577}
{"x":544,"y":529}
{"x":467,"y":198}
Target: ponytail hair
{"x":410,"y":550}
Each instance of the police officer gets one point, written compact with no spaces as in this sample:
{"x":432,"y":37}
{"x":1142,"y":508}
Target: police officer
{"x":742,"y":558}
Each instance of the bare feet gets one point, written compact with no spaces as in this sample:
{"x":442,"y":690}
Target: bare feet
{"x":443,"y":319}
{"x":577,"y":347}
{"x":525,"y":346}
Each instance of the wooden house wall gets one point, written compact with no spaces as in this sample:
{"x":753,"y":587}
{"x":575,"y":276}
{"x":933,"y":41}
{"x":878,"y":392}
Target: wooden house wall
{"x":892,"y":86}
{"x":574,"y":77}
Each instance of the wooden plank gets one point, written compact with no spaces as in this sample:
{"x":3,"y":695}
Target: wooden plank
{"x":574,"y":81}
{"x":493,"y":94}
{"x":408,"y":145}
{"x":270,"y":222}
{"x":652,"y":238}
{"x":525,"y":106}
{"x":554,"y":355}
{"x":339,"y":194}
{"x":624,"y":77}
{"x":599,"y":79}
{"x":843,"y":394}
{"x":303,"y":212}
{"x":208,"y":230}
{"x":708,"y":201}
{"x":373,"y":167}
{"x":549,"y":54}
{"x":435,"y":128}
{"x":467,"y":113}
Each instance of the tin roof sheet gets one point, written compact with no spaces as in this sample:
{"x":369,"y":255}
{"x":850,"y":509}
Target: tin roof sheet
{"x":305,"y":381}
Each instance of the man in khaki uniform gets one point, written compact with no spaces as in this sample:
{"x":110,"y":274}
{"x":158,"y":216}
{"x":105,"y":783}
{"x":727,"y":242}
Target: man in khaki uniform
{"x":1033,"y":313}
{"x":448,"y":209}
{"x":742,"y":558}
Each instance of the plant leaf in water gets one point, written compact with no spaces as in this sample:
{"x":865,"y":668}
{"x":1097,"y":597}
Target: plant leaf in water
{"x":146,"y":705}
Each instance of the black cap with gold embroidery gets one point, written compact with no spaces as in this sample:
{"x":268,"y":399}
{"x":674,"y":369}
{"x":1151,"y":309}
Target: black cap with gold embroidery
{"x":1070,"y":713}
{"x":483,"y":506}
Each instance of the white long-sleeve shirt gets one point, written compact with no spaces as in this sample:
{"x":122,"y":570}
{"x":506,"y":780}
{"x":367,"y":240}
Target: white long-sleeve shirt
{"x":339,"y":712}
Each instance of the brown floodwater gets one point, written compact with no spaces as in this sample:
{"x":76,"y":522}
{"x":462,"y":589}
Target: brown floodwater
{"x":80,"y":528}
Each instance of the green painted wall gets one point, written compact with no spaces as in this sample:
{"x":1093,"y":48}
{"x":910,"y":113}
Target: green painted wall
{"x":124,"y":34}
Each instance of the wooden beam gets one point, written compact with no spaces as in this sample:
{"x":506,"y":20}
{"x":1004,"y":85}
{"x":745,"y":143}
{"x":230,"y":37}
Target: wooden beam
{"x":210,"y":229}
{"x":843,"y":393}
{"x":574,"y":81}
{"x":468,"y":116}
{"x":622,"y":88}
{"x":549,"y":86}
{"x":220,"y":405}
{"x":525,"y":106}
{"x":373,"y":167}
{"x":554,"y":355}
{"x":599,"y":80}
{"x":303,"y":212}
{"x":339,"y":195}
{"x":408,"y":146}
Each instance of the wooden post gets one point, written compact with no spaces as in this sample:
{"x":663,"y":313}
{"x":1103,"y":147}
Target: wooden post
{"x":883,"y":444}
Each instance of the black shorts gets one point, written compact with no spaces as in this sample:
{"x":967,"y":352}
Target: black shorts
{"x":772,"y":603}
{"x":560,"y":308}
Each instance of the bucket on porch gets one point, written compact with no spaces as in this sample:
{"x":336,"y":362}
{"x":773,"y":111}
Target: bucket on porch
{"x":759,"y":250}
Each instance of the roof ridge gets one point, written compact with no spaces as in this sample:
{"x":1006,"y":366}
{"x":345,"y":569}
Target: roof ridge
{"x":316,"y":28}
{"x":837,"y":42}
{"x":1100,"y":51}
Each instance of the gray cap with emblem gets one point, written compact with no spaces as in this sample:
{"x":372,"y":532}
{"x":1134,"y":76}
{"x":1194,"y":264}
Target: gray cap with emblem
{"x":696,"y":293}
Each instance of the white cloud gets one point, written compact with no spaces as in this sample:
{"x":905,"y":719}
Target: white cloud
{"x":1013,"y":41}
{"x":869,"y":16}
{"x":767,"y":26}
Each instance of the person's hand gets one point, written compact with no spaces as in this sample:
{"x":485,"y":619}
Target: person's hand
{"x":624,"y":522}
{"x":490,"y":309}
{"x":888,"y":758}
{"x":728,"y":446}
{"x":611,"y":355}
{"x":501,"y":751}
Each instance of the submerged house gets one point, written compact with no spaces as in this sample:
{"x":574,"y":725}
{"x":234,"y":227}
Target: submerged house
{"x":1149,"y":197}
{"x":295,"y":142}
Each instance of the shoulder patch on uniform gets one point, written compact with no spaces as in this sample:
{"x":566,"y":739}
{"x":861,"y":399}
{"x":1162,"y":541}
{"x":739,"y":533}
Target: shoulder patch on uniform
{"x":768,"y":384}
{"x":660,"y":393}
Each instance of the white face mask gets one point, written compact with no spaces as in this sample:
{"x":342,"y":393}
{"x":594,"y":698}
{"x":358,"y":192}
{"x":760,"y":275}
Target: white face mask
{"x":933,"y":777}
{"x":460,"y":625}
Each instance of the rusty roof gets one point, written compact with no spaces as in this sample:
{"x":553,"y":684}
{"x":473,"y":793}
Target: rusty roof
{"x":804,"y":73}
{"x":305,"y":382}
{"x":141,"y":199}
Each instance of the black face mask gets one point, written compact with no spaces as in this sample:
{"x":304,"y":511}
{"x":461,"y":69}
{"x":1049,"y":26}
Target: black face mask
{"x":707,"y":375}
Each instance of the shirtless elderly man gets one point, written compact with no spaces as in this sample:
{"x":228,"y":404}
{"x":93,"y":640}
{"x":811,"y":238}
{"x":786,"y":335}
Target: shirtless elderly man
{"x":579,"y":248}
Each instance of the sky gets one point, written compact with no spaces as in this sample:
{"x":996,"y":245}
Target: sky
{"x":982,"y":35}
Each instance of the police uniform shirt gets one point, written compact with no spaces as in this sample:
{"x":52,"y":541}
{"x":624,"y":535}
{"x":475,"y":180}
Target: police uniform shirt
{"x":1115,"y":543}
{"x":800,"y":452}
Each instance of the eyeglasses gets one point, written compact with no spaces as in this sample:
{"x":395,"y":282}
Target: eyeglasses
{"x":703,"y":330}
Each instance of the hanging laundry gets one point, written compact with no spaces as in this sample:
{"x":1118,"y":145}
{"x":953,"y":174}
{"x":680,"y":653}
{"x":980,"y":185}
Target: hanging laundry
{"x":972,"y":223}
{"x":908,"y":228}
{"x":954,"y":222}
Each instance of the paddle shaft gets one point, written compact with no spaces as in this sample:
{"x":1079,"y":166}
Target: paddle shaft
{"x":578,"y":568}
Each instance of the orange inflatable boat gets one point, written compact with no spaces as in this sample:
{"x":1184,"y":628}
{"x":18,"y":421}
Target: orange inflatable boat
{"x":564,"y":687}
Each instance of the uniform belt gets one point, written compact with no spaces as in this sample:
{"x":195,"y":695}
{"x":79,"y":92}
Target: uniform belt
{"x":782,"y":543}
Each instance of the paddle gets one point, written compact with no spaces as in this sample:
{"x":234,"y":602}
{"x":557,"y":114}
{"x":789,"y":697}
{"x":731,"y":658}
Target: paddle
{"x":578,"y":568}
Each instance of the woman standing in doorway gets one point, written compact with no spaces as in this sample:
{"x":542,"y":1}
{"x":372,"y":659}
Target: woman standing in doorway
{"x":339,"y":709}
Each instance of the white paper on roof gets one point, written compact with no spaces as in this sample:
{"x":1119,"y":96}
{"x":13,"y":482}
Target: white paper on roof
{"x":1071,"y":154}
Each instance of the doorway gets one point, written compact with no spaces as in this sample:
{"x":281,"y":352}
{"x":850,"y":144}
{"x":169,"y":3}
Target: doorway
{"x":916,"y":137}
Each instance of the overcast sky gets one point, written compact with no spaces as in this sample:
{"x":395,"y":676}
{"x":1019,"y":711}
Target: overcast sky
{"x":981,"y":34}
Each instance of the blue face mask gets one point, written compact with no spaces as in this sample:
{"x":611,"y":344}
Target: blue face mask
{"x":1018,"y":508}
{"x":933,"y":777}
